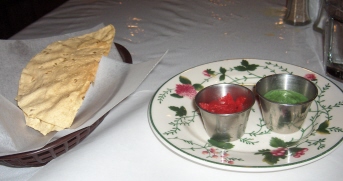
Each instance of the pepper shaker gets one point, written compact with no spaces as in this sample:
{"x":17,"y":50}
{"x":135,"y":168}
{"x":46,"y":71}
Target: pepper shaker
{"x":297,"y":13}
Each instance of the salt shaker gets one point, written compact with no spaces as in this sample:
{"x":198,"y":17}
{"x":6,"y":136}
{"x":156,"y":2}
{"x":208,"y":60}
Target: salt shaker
{"x":297,"y":12}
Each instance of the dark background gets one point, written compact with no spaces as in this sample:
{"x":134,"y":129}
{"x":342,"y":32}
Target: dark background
{"x":17,"y":14}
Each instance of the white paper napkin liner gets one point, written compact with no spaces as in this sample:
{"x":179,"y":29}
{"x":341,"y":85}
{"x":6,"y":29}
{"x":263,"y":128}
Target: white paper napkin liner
{"x":123,"y":85}
{"x":14,"y":55}
{"x":15,"y":136}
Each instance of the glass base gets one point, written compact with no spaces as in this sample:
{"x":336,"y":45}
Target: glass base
{"x":335,"y":72}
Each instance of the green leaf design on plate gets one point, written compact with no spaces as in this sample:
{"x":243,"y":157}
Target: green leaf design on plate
{"x":320,"y":143}
{"x":270,"y":159}
{"x":198,"y":87}
{"x":222,"y":74}
{"x":180,"y":111}
{"x":245,"y":66}
{"x":209,"y":71}
{"x":240,"y":68}
{"x":184,"y":80}
{"x":294,"y":150}
{"x":322,"y":129}
{"x":222,"y":70}
{"x":163,"y":95}
{"x":176,"y":95}
{"x":219,"y":144}
{"x":181,"y":120}
{"x":222,"y":77}
{"x":335,"y":129}
{"x":277,"y":143}
{"x":248,"y":141}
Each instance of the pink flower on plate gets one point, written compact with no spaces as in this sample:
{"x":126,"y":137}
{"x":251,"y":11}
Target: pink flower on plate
{"x":186,"y":90}
{"x":224,"y":155}
{"x":230,"y":162}
{"x":310,"y":77}
{"x":205,"y":152}
{"x":212,"y":150}
{"x":206,"y":73}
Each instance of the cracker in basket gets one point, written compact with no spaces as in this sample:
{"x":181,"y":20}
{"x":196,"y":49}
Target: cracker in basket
{"x":53,"y":84}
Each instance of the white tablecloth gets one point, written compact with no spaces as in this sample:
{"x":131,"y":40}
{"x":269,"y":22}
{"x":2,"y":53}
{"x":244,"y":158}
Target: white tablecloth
{"x":195,"y":32}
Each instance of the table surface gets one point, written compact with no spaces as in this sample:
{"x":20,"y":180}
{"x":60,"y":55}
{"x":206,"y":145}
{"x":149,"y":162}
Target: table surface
{"x":124,"y":147}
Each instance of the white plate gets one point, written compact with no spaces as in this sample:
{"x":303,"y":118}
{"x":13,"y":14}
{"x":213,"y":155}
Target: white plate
{"x":177,"y":124}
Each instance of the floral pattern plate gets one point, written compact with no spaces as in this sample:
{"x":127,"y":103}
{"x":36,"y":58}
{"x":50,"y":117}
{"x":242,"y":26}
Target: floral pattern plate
{"x":176,"y":122}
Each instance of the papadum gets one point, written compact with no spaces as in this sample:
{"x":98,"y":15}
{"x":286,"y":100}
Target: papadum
{"x":54,"y":83}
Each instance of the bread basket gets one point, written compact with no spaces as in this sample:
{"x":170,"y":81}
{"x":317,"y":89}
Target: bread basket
{"x":56,"y":148}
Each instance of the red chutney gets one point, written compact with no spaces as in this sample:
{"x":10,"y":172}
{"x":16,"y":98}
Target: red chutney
{"x":225,"y":105}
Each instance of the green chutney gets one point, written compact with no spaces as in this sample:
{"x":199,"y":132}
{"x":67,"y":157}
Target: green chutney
{"x":285,"y":96}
